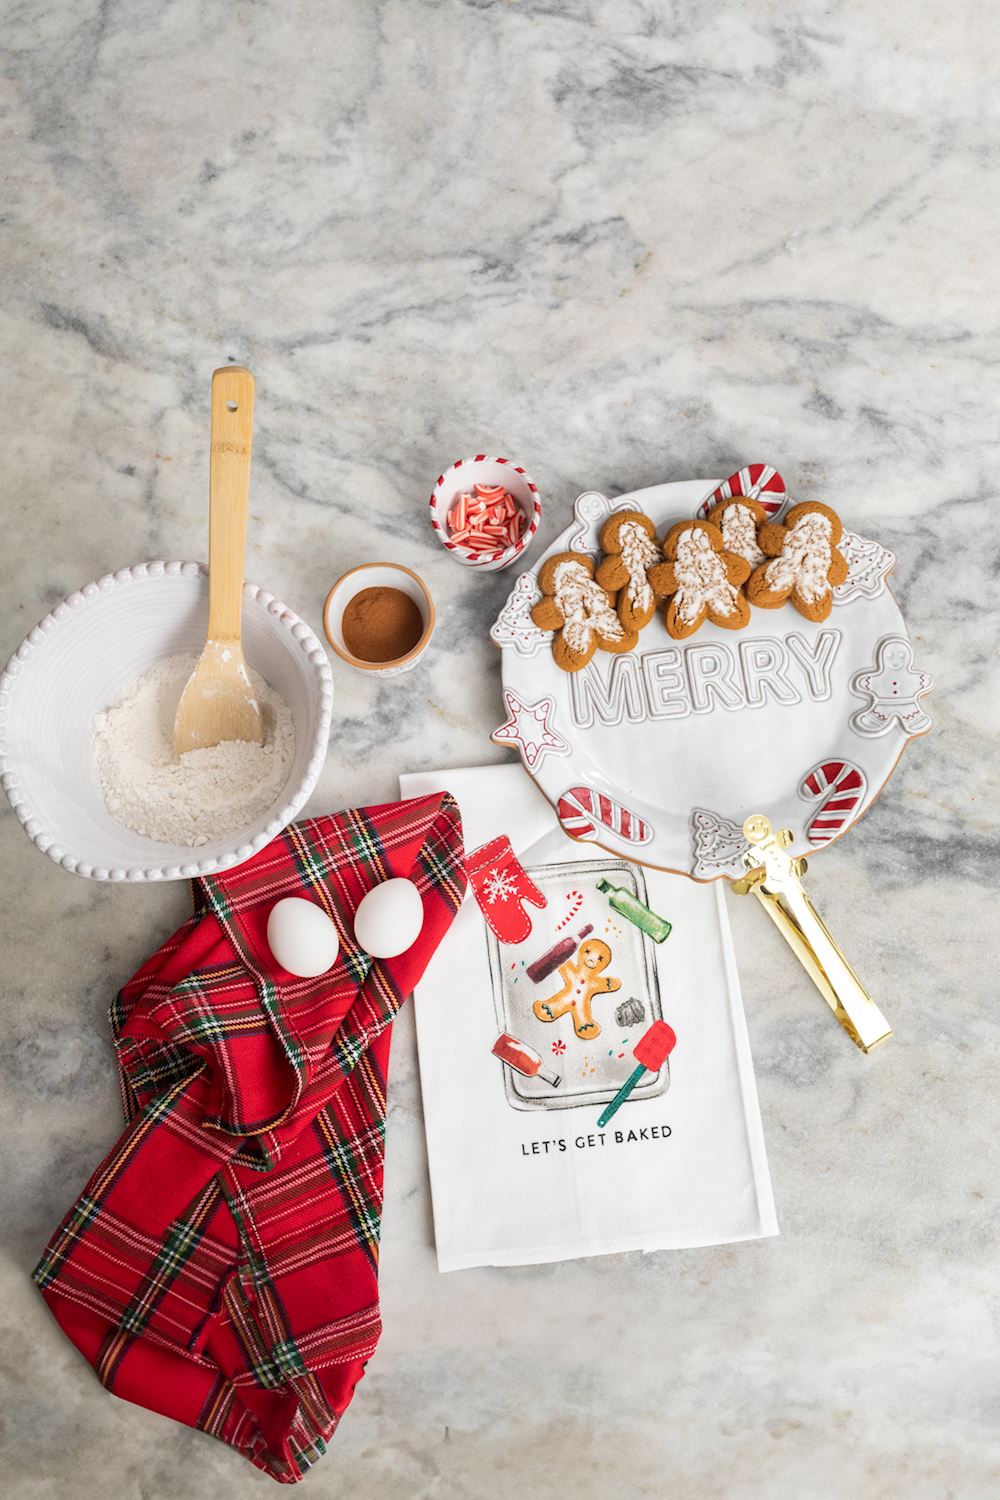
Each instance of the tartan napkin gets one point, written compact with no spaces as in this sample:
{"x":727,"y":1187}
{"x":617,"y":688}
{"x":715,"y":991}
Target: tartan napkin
{"x":221,"y":1265}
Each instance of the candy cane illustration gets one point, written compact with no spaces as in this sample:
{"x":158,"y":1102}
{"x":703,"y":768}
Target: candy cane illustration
{"x":581,"y":809}
{"x":846,"y":785}
{"x":758,"y":481}
{"x":575,"y":899}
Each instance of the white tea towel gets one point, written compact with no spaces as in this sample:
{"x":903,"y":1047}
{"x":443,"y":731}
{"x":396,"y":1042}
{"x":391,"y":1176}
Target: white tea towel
{"x":524,"y":1043}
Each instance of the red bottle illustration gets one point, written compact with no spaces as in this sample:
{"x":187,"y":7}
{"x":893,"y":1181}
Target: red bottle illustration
{"x":523,"y":1059}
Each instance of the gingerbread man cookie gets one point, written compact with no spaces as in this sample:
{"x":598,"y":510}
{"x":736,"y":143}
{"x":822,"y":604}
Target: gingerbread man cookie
{"x":629,"y":541}
{"x":583,"y":977}
{"x":805,"y":564}
{"x":703,"y":578}
{"x":740,"y":519}
{"x":580,"y":611}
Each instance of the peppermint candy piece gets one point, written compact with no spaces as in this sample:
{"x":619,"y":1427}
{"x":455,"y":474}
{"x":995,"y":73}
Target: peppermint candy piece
{"x":846,"y":784}
{"x":581,"y":810}
{"x":757,"y":481}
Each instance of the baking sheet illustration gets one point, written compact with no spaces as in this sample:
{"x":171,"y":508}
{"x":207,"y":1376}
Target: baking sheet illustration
{"x":590,"y":1068}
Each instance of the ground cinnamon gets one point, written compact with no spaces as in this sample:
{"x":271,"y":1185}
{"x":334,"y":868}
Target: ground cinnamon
{"x":381,"y":624}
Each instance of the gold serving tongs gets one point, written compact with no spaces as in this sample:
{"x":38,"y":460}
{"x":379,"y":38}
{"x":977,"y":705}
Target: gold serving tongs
{"x":775,"y":879}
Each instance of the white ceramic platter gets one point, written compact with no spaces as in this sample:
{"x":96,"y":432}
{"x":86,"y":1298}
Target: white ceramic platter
{"x":660,"y":754}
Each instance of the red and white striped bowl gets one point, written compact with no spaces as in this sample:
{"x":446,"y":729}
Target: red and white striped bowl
{"x":485,"y":470}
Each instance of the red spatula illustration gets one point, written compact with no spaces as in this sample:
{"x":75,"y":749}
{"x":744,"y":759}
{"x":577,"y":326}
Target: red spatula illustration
{"x":650,"y":1052}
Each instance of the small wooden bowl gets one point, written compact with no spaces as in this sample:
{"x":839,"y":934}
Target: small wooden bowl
{"x":374,"y":576}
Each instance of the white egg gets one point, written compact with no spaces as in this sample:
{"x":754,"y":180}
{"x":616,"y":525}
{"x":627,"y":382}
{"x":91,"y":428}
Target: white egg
{"x":389,"y":919}
{"x":302,"y":938}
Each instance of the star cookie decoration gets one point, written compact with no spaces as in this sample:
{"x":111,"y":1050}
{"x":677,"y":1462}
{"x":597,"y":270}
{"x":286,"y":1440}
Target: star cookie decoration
{"x":529,"y":729}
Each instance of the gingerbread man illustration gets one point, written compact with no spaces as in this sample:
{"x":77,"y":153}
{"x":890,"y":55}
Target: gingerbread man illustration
{"x":892,"y":687}
{"x":583,"y":977}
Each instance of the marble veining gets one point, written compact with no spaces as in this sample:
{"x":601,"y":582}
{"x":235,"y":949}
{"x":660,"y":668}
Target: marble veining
{"x":622,"y":242}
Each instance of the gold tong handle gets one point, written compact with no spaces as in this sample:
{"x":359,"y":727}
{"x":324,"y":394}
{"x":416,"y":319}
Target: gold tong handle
{"x":774,"y":877}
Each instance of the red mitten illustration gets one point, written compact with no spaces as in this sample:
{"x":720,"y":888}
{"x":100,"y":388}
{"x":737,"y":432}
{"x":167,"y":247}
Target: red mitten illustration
{"x":501,"y":884}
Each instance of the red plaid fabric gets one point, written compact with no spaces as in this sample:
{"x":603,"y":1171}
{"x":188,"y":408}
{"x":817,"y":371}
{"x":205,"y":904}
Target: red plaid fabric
{"x":221,"y":1265}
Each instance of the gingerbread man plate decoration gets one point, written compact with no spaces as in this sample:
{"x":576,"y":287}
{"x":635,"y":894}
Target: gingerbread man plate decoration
{"x":707,"y":651}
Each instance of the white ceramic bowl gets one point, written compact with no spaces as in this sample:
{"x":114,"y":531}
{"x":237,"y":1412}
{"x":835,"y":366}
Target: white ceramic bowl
{"x":81,"y":657}
{"x":485,"y":470}
{"x":375,"y":576}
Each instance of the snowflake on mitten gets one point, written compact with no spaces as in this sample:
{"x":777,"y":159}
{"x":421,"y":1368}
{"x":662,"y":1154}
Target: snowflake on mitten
{"x":805,"y":562}
{"x":579,"y":610}
{"x":498,"y":885}
{"x":501,"y":886}
{"x":628,"y":539}
{"x":740,"y":519}
{"x":703,"y":578}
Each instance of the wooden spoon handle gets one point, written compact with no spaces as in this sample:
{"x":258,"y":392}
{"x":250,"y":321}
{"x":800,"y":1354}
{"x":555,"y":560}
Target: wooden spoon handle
{"x":228,"y":497}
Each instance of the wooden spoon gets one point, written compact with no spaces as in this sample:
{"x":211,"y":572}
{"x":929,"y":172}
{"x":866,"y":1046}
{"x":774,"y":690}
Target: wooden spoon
{"x":219,"y":703}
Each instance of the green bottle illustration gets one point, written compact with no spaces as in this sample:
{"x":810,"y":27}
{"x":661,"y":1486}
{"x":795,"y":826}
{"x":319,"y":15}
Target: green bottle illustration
{"x":633,"y":910}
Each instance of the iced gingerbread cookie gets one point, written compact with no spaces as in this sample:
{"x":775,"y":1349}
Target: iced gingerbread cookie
{"x":739,"y":520}
{"x":628,"y":540}
{"x":805,"y":563}
{"x":579,"y":610}
{"x":583,"y":977}
{"x":703,"y":579}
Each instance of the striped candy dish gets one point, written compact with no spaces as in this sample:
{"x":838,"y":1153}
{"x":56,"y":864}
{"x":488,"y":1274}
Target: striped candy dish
{"x":488,"y":472}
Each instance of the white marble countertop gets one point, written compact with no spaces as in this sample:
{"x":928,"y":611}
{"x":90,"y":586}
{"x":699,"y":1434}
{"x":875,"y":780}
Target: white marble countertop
{"x":623,"y":242}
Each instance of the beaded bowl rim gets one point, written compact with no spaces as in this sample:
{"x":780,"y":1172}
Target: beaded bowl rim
{"x":63,"y":614}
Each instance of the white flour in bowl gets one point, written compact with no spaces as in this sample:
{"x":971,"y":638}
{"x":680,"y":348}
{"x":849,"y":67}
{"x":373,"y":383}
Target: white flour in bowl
{"x":194,"y":798}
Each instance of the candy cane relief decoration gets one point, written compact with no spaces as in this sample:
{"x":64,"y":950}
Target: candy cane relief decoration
{"x":756,"y":481}
{"x":584,"y":812}
{"x":841,"y":785}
